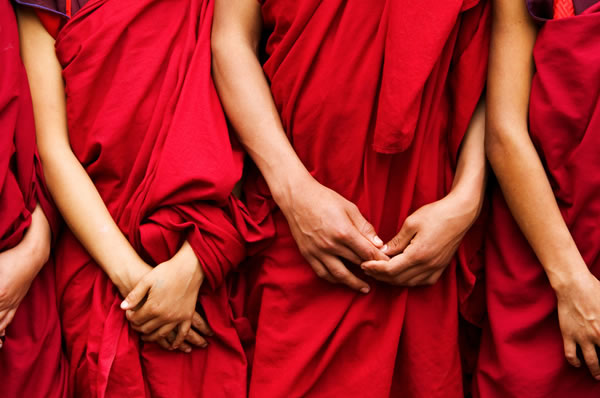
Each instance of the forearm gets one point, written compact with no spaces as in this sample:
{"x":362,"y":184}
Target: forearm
{"x":510,"y":150}
{"x":86,"y":214}
{"x":248,"y":102}
{"x":72,"y":189}
{"x":470,"y":177}
{"x":531,"y":200}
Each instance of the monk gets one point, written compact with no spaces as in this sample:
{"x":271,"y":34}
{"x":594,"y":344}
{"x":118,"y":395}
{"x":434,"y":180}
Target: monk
{"x":32,"y":363}
{"x":542,"y":253}
{"x":365,"y":125}
{"x":138,"y":159}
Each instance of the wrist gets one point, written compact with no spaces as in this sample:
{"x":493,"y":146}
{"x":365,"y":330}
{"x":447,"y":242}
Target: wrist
{"x":466,"y":203}
{"x":564,"y":278}
{"x":127,"y":273}
{"x":286,"y":186}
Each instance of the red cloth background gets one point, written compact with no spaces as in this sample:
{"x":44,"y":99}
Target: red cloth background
{"x":145,"y":121}
{"x":522,"y":350}
{"x":31,"y":362}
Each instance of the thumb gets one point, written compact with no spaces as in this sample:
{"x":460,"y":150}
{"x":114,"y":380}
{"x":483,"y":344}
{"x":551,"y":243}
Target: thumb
{"x":364,"y":227}
{"x":402,"y":238}
{"x":135,"y":297}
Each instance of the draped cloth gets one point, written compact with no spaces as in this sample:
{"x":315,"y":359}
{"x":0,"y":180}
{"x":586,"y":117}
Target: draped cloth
{"x":376,"y":107}
{"x":32,"y":363}
{"x":522,"y":350}
{"x":145,"y":122}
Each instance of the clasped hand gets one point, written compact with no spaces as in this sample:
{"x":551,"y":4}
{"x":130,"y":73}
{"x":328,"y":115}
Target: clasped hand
{"x":425,"y":245}
{"x":162,"y":305}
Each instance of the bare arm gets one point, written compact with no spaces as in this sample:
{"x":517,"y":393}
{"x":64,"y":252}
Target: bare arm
{"x":71,"y":187}
{"x":324,"y":229}
{"x":170,"y":306}
{"x":526,"y":187}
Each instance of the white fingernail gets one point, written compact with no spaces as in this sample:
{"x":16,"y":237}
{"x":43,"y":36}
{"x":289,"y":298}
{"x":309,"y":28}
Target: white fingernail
{"x":384,"y":248}
{"x":365,"y":290}
{"x":124,"y":305}
{"x":377,"y":240}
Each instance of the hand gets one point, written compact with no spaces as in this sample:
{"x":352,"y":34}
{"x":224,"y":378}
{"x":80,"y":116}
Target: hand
{"x":328,"y":227}
{"x":425,"y":244}
{"x":20,"y":265}
{"x":579,"y":318}
{"x":165,"y":299}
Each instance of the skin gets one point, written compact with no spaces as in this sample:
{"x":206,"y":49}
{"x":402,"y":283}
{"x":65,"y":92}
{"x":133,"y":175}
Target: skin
{"x":526,"y":187}
{"x":20,"y":265}
{"x":172,"y":286}
{"x":331,"y":227}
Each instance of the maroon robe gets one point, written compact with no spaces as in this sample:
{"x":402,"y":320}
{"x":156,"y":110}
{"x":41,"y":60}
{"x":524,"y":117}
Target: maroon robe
{"x":375,"y":97}
{"x":32,"y":363}
{"x":522,"y":348}
{"x":146,"y":124}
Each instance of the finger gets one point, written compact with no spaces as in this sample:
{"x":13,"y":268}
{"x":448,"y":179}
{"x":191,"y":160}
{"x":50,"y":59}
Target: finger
{"x":185,"y":348}
{"x":419,"y":276}
{"x":3,"y":315}
{"x":201,"y":325}
{"x":320,"y":270}
{"x":195,"y":339}
{"x":341,"y":274}
{"x":135,"y":297}
{"x":8,"y":317}
{"x":364,"y":227}
{"x":346,"y":253}
{"x":571,"y":352}
{"x":591,"y":359}
{"x":183,"y":329}
{"x":164,"y":344}
{"x":149,"y":327}
{"x":398,"y":264}
{"x":402,"y":239}
{"x":160,"y":333}
{"x":171,"y":337}
{"x":361,"y":246}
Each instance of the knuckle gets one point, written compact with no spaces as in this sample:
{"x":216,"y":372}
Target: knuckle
{"x":410,"y":222}
{"x":321,"y":273}
{"x":342,"y":233}
{"x":338,"y":273}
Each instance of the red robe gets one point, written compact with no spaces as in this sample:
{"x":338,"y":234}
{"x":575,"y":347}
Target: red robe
{"x":145,"y":122}
{"x":32,"y":363}
{"x":522,"y":350}
{"x":375,"y":97}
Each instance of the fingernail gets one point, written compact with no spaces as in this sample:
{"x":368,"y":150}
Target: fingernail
{"x":124,"y":305}
{"x":188,"y":350}
{"x":597,"y":377}
{"x":377,"y":241}
{"x":204,"y":345}
{"x":384,"y":248}
{"x":365,"y":290}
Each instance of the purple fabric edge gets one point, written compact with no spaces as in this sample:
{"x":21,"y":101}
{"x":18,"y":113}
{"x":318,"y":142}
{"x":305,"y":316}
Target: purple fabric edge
{"x":41,"y":7}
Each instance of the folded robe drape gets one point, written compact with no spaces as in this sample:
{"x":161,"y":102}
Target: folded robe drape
{"x":32,"y":363}
{"x":145,"y":122}
{"x":522,"y":351}
{"x":375,"y":98}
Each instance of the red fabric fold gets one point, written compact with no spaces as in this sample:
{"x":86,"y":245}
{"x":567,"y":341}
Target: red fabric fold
{"x":334,"y":85}
{"x":31,"y":362}
{"x":522,"y":349}
{"x":145,"y":121}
